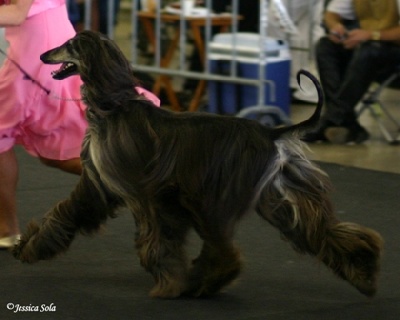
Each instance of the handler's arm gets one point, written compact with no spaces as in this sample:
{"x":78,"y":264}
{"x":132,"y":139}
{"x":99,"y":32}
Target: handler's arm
{"x":15,"y":13}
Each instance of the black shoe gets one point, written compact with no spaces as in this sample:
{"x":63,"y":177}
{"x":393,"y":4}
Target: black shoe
{"x":315,"y":136}
{"x":353,"y":133}
{"x":318,"y":135}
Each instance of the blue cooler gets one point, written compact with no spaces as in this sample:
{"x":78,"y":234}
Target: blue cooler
{"x":230,"y":97}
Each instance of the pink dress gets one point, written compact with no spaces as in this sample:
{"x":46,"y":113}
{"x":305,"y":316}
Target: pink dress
{"x":47,"y":125}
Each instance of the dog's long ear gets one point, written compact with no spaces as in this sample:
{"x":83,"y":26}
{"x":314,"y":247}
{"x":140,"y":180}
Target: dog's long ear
{"x":105,"y":62}
{"x":116,"y":55}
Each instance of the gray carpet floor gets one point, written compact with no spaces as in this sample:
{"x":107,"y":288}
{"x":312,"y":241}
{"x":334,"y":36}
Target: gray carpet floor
{"x":100,"y":277}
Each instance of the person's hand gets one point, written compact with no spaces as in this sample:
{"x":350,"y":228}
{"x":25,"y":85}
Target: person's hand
{"x":338,"y":33}
{"x":355,"y":37}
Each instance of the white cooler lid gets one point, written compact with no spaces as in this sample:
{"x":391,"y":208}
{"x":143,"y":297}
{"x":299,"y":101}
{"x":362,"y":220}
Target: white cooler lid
{"x":246,"y":46}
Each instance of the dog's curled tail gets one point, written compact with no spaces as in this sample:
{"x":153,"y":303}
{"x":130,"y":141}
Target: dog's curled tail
{"x":310,"y":123}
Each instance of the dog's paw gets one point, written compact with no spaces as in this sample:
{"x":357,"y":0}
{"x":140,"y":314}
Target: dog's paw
{"x":18,"y":249}
{"x":206,"y":279}
{"x":205,"y":288}
{"x":20,"y":252}
{"x":172,"y":290}
{"x":23,"y":250}
{"x":199,"y":291}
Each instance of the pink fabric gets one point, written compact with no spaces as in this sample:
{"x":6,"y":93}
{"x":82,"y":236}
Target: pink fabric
{"x":148,"y":95}
{"x":39,"y":6}
{"x":44,"y":125}
{"x":51,"y":126}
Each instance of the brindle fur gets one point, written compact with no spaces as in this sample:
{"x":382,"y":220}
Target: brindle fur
{"x":177,"y":171}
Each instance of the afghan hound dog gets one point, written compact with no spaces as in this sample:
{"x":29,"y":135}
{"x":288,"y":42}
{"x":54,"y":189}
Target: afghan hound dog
{"x":181,"y":171}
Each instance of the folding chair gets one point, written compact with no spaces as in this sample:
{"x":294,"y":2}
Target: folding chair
{"x":374,"y":104}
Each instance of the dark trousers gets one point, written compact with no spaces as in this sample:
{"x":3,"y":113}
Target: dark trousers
{"x":347,"y":74}
{"x":103,"y":15}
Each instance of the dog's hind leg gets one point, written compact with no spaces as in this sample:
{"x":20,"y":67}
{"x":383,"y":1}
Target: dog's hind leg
{"x":217,"y":266}
{"x":219,"y":261}
{"x":85,"y":210}
{"x":160,"y":240}
{"x":303,"y":213}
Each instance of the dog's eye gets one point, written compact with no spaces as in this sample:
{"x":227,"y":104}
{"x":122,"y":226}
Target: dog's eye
{"x":69,"y":46}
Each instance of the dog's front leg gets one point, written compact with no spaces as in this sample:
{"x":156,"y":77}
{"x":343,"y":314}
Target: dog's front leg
{"x":86,"y":209}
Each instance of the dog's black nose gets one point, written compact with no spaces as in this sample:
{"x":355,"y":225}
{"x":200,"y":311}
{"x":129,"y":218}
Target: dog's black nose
{"x":43,"y":56}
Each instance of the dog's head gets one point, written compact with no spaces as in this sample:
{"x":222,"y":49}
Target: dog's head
{"x":90,"y":55}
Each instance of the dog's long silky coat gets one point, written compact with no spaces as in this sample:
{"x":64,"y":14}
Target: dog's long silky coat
{"x":177,"y":171}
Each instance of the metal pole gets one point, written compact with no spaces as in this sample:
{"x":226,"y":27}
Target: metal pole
{"x":110,"y":18}
{"x":88,"y":14}
{"x":134,"y":30}
{"x":182,"y":37}
{"x":262,"y":55}
{"x":157,"y":60}
{"x":235,"y":10}
{"x":208,"y":36}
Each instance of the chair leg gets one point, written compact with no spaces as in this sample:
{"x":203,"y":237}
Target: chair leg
{"x":394,"y":140}
{"x":390,"y":138}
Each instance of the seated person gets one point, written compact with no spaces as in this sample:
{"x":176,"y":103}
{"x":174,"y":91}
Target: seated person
{"x":349,"y":60}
